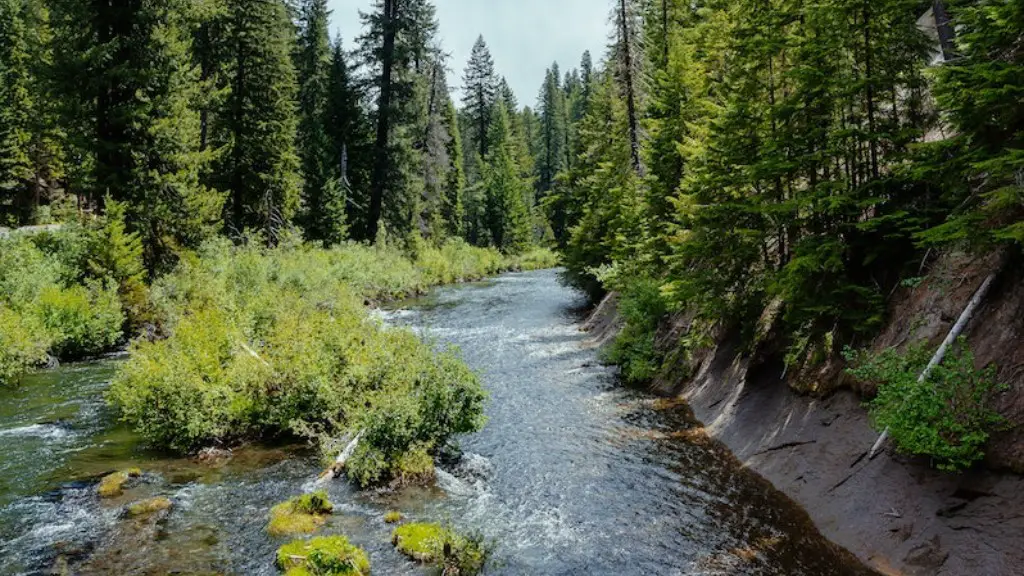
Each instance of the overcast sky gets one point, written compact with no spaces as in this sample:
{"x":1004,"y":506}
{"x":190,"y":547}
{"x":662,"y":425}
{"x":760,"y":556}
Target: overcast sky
{"x":525,"y":36}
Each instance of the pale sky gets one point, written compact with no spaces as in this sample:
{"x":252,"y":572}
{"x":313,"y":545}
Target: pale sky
{"x":525,"y":36}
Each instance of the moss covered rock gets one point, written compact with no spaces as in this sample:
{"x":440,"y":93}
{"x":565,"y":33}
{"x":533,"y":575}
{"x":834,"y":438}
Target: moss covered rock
{"x":327,"y":556}
{"x":393,"y":517}
{"x":420,"y":541}
{"x":150,"y":506}
{"x":112,"y":485}
{"x":454,"y":553}
{"x":300,"y":515}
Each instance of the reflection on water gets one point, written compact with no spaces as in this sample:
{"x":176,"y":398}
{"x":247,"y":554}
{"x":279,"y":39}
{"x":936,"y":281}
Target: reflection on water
{"x":573,"y":474}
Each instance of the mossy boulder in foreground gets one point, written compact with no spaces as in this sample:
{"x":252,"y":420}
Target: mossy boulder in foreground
{"x":456,"y":555}
{"x":112,"y":485}
{"x":300,"y":515}
{"x":326,"y":556}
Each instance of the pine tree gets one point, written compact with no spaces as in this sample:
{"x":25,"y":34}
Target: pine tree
{"x":551,"y":108}
{"x":351,"y":139}
{"x":480,"y":90}
{"x":15,"y":108}
{"x":396,"y":48}
{"x":259,"y":167}
{"x":980,"y":89}
{"x":454,"y":206}
{"x":324,"y":209}
{"x":507,"y":214}
{"x":134,"y":121}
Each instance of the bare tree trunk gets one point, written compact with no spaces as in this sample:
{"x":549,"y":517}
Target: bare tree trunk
{"x":628,"y":78}
{"x":951,"y":338}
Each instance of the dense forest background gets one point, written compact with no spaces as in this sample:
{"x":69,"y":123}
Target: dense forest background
{"x":722,"y":155}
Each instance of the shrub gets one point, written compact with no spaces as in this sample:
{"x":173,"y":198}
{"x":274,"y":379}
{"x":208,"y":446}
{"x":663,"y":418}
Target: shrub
{"x":433,"y":544}
{"x":269,"y":342}
{"x":24,"y":342}
{"x":327,"y":556}
{"x":82,"y":321}
{"x":634,"y":349}
{"x":947,"y":417}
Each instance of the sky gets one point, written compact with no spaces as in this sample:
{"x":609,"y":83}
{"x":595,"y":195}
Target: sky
{"x":525,"y":36}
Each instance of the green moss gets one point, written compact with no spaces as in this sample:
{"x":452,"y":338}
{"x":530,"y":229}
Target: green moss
{"x":150,"y":506}
{"x":393,"y":517}
{"x":327,"y":556}
{"x":420,"y":541}
{"x":112,"y":485}
{"x":435,"y":544}
{"x":300,"y":515}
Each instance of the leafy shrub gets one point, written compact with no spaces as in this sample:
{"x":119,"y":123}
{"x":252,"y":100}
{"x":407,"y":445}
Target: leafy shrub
{"x":947,"y":417}
{"x":268,"y":342}
{"x":24,"y":342}
{"x":81,"y":321}
{"x":634,"y":349}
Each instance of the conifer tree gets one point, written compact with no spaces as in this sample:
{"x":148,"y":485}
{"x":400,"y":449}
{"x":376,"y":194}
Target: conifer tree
{"x":396,"y":49}
{"x":351,"y":139}
{"x":323,"y":193}
{"x":980,"y":89}
{"x":15,"y":107}
{"x":454,"y":206}
{"x":480,"y":89}
{"x":507,"y":213}
{"x":551,"y":108}
{"x":259,"y":167}
{"x":134,"y":121}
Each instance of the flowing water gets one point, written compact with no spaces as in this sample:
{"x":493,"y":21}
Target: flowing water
{"x":573,"y":475}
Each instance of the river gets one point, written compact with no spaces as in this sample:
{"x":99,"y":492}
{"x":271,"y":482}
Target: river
{"x":573,"y":474}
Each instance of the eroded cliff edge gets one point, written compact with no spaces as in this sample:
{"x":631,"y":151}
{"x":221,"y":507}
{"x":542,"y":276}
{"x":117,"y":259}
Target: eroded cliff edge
{"x":896,"y":513}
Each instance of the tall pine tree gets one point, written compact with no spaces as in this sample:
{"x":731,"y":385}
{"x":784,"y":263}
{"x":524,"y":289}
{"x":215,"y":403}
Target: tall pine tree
{"x":259,"y":166}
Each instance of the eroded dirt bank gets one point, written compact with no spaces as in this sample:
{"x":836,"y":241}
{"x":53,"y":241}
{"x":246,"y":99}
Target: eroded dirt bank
{"x":895,"y":513}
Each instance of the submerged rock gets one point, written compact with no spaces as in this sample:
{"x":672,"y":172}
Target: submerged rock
{"x":112,"y":485}
{"x":326,"y":556}
{"x":300,"y":515}
{"x":149,"y":507}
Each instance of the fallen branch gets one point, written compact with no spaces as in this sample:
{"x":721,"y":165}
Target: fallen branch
{"x":951,"y":338}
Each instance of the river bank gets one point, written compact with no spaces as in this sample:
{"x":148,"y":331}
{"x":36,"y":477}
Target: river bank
{"x":896,"y":514}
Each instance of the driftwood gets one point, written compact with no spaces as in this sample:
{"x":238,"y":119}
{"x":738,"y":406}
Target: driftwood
{"x":951,"y":338}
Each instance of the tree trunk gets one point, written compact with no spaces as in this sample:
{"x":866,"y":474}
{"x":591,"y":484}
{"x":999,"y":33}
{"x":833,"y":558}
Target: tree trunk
{"x":951,"y":338}
{"x":380,"y":165}
{"x":630,"y":85}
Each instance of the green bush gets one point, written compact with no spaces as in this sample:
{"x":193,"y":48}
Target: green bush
{"x":947,"y":417}
{"x":51,"y":302}
{"x":81,"y":321}
{"x":269,"y":342}
{"x":634,"y":350}
{"x":24,"y":342}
